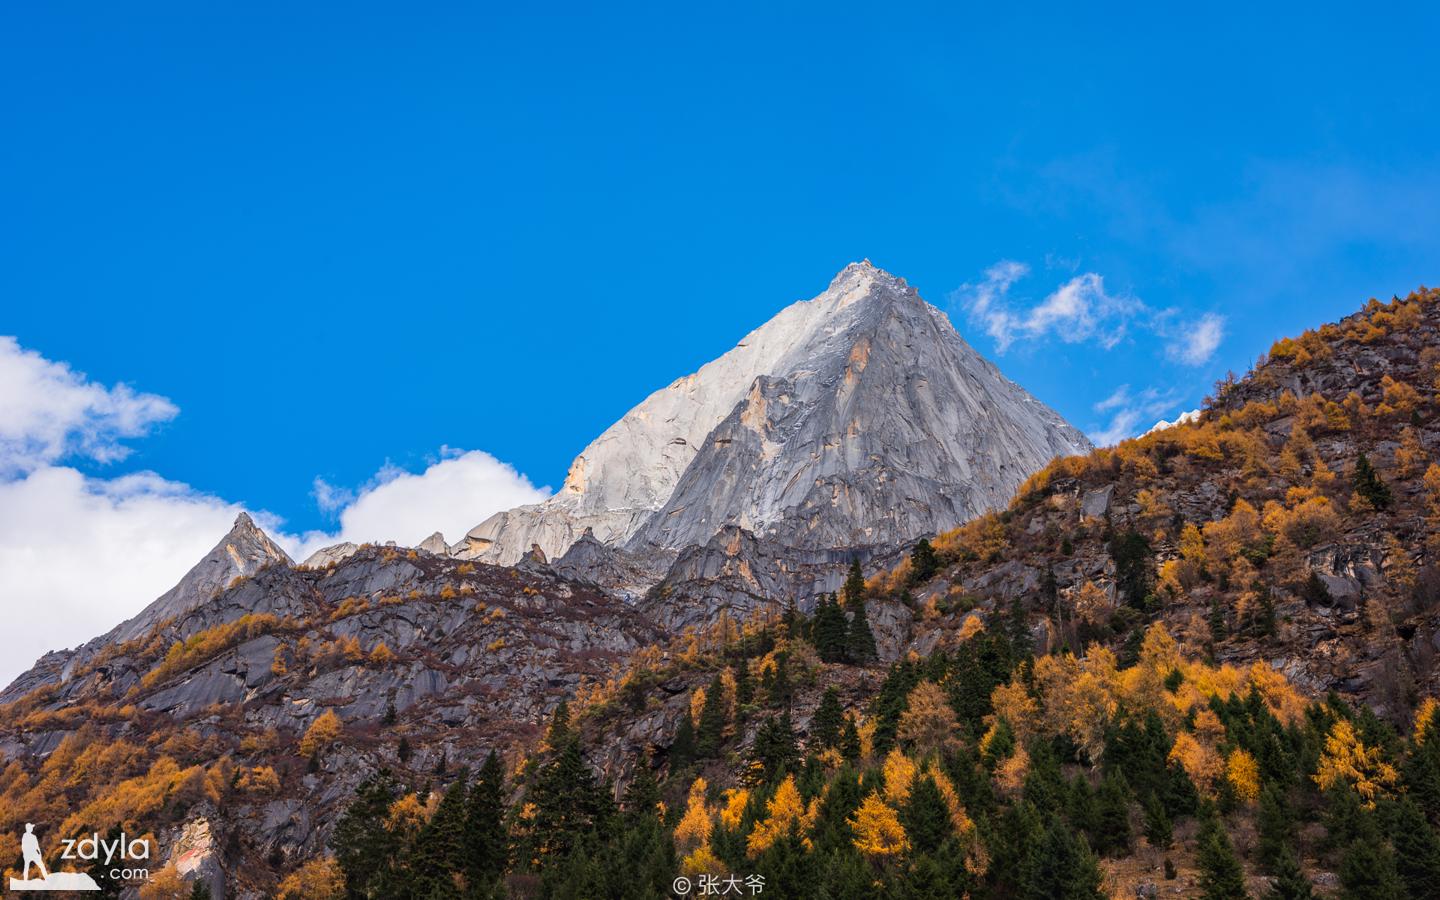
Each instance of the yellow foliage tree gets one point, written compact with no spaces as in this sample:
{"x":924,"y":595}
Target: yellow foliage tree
{"x":318,"y":879}
{"x":736,"y":799}
{"x":783,"y":813}
{"x":1244,"y":775}
{"x":1010,"y":773}
{"x":325,"y":730}
{"x":695,"y":826}
{"x":165,"y":884}
{"x":702,"y":861}
{"x":878,"y":832}
{"x":900,"y":773}
{"x":928,"y":722}
{"x":1199,"y":761}
{"x":1425,"y":719}
{"x":1347,"y":760}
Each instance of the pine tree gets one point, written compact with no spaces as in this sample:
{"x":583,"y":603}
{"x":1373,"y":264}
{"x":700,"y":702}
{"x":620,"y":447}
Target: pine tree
{"x":711,"y":731}
{"x":744,"y":687}
{"x":440,"y":848}
{"x":925,"y":816}
{"x":774,"y":751}
{"x":558,"y":733}
{"x":361,"y":842}
{"x":1221,"y":877}
{"x":923,"y":562}
{"x":1421,"y":772}
{"x":1417,"y":851}
{"x":1159,"y":830}
{"x":779,"y":691}
{"x":485,"y":838}
{"x":200,"y":890}
{"x":829,"y":630}
{"x":1218,"y":625}
{"x":1080,"y":807}
{"x":1275,"y":824}
{"x":826,"y":724}
{"x":1368,"y":484}
{"x":1112,"y":815}
{"x":854,"y":588}
{"x":642,"y":794}
{"x":1367,"y":870}
{"x":860,"y":641}
{"x":569,"y":805}
{"x":1290,"y":882}
{"x":850,"y":740}
{"x":682,"y":748}
{"x":1062,"y":867}
{"x":845,"y":876}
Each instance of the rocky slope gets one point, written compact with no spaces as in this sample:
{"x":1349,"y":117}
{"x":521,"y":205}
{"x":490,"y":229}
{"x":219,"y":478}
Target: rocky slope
{"x":854,"y":419}
{"x":242,"y":552}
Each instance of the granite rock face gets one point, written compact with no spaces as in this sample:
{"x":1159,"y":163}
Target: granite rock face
{"x":240,"y":554}
{"x":859,"y":417}
{"x":329,"y":556}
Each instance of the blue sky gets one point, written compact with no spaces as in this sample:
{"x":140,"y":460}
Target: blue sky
{"x":341,"y":236}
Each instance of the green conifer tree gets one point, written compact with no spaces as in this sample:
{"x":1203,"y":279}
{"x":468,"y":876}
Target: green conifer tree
{"x":1290,"y":882}
{"x":1275,"y":824}
{"x":854,"y":588}
{"x":1368,"y":484}
{"x":439,"y":854}
{"x":923,"y":562}
{"x":485,"y":838}
{"x":1159,"y":830}
{"x":774,"y":749}
{"x":1062,"y":867}
{"x":744,"y":686}
{"x":829,"y":630}
{"x":925,"y":816}
{"x":1417,"y":851}
{"x":361,"y":842}
{"x":711,"y":731}
{"x":828,"y":720}
{"x":1112,"y":814}
{"x":682,"y":748}
{"x":1221,"y":877}
{"x":850,"y":740}
{"x":1367,"y":870}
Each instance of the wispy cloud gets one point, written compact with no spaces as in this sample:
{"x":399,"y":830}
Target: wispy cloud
{"x":330,"y":498}
{"x":49,"y":412}
{"x":1081,"y":311}
{"x":1197,"y":341}
{"x":1129,"y":413}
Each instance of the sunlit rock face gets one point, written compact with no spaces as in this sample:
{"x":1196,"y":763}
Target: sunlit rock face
{"x":857,"y":418}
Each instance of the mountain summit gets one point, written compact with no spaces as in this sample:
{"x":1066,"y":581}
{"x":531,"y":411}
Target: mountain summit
{"x":858,"y":417}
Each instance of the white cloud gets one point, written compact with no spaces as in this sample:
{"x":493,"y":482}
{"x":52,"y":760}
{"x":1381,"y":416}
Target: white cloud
{"x":1081,"y":311}
{"x":49,"y":411}
{"x":329,"y":497}
{"x":1127,"y":412}
{"x":79,"y":555}
{"x":1195,"y":343}
{"x":452,"y":496}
